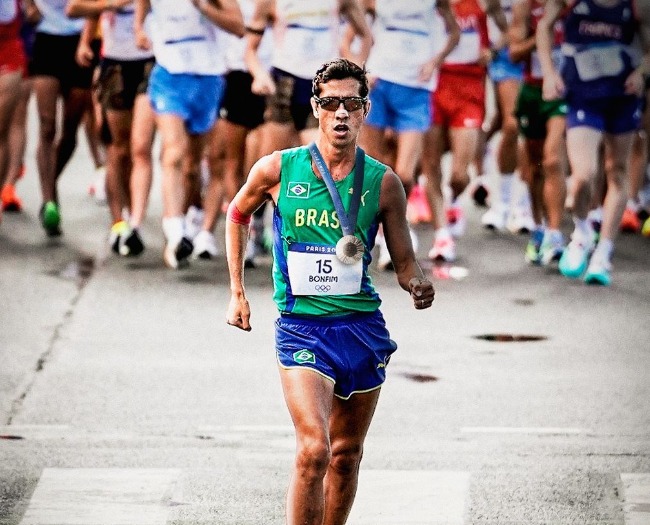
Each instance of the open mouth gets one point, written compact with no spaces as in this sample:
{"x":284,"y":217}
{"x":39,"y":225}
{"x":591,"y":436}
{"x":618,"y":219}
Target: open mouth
{"x":341,"y":128}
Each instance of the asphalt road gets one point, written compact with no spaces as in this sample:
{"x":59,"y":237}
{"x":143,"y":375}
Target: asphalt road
{"x":519,"y":398}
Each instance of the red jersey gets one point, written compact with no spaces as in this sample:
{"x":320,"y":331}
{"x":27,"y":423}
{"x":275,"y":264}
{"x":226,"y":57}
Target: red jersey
{"x":465,"y":57}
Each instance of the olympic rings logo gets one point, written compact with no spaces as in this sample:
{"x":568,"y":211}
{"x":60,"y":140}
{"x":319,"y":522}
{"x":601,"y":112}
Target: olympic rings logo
{"x":322,"y":288}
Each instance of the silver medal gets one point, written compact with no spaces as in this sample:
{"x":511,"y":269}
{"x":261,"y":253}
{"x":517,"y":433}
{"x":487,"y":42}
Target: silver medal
{"x":349,"y":249}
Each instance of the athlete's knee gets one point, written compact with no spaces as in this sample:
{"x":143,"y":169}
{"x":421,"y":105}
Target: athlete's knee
{"x":346,"y":458}
{"x":313,"y":457}
{"x":47,"y":129}
{"x":552,"y":164}
{"x":172,"y":155}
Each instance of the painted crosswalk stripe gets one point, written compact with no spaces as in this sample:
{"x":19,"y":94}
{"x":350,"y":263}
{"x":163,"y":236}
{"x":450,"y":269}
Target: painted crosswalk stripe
{"x":525,"y":430}
{"x":406,"y":497}
{"x":101,"y":496}
{"x":637,"y":498}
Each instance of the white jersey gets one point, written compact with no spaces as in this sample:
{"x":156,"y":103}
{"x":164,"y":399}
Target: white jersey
{"x":305,"y":35}
{"x":118,"y":36}
{"x":404,"y":39}
{"x":185,"y":41}
{"x":54,"y":20}
{"x":236,"y":47}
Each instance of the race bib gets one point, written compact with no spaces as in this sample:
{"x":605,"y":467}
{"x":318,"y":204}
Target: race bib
{"x":314,"y":269}
{"x":599,"y":62}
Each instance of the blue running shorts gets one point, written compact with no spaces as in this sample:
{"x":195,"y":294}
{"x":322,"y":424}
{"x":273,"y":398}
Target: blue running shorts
{"x":615,"y":115}
{"x":399,"y":107}
{"x":502,"y":68}
{"x":194,"y":98}
{"x":352,"y":351}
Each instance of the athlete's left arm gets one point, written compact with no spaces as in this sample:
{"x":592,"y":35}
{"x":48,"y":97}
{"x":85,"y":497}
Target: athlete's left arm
{"x":635,"y":82}
{"x":452,"y":29}
{"x":225,"y":14}
{"x":392,"y":207}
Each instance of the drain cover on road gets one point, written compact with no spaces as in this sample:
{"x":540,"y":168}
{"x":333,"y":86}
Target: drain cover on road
{"x":510,"y":338}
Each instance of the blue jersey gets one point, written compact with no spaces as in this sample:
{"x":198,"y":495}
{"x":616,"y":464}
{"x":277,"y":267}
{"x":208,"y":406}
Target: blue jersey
{"x":599,"y":48}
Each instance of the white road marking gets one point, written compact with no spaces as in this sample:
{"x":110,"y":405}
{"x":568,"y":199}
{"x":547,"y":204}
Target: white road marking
{"x":101,"y":496}
{"x":408,"y":497}
{"x":637,"y":498}
{"x":525,"y":430}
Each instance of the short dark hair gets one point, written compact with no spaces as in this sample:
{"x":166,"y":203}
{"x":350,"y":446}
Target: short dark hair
{"x":340,"y":69}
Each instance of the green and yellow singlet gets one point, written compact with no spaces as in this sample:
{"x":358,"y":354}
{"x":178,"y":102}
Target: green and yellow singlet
{"x":309,"y":279}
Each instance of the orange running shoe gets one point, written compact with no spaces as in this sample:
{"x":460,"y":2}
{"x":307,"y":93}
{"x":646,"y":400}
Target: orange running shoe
{"x":630,"y":222}
{"x":10,"y":201}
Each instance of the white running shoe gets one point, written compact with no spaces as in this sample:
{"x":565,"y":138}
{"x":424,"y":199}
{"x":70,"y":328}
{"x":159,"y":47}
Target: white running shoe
{"x":599,"y":270}
{"x":575,"y":256}
{"x":520,"y":220}
{"x":205,"y":246}
{"x":456,"y":221}
{"x":175,"y":254}
{"x":444,"y":249}
{"x":383,"y":257}
{"x":495,"y":218}
{"x":551,"y":248}
{"x":193,"y":221}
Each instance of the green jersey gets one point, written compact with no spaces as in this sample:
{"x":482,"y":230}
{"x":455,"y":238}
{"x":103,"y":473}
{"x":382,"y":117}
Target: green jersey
{"x":309,"y":279}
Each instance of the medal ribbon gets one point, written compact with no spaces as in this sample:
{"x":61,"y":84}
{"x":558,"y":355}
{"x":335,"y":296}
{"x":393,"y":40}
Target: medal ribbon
{"x":348,"y":220}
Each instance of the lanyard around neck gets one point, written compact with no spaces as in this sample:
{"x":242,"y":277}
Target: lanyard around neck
{"x":348,"y":220}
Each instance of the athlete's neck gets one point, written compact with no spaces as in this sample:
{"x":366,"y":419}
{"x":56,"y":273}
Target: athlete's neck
{"x":338,"y":160}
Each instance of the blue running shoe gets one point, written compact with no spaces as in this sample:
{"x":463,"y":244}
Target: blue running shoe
{"x":599,"y":271}
{"x":575,"y":257}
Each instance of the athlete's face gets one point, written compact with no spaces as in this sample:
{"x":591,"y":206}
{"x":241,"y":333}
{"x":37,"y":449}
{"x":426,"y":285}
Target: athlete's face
{"x":340,"y":126}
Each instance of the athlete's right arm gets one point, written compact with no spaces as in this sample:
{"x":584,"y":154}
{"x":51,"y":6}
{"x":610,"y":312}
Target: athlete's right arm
{"x":553,"y":87}
{"x":262,"y":16}
{"x":263,"y":182}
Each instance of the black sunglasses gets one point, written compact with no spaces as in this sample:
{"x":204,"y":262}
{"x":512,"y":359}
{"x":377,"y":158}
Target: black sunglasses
{"x":333,"y":103}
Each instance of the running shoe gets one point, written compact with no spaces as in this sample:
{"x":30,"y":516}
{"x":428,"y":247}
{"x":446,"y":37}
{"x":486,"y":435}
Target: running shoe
{"x":533,"y":255}
{"x":520,"y":220}
{"x":599,"y":270}
{"x":176,"y":254}
{"x":645,"y":230}
{"x":456,"y":221}
{"x":444,"y":249}
{"x":205,"y":246}
{"x":495,"y":218}
{"x":417,"y":207}
{"x":480,"y":195}
{"x":50,"y":216}
{"x":384,"y":261}
{"x":193,"y":221}
{"x":251,"y":254}
{"x":630,"y":222}
{"x":575,"y":257}
{"x":119,"y":230}
{"x":10,"y":200}
{"x":551,"y":249}
{"x":131,"y":244}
